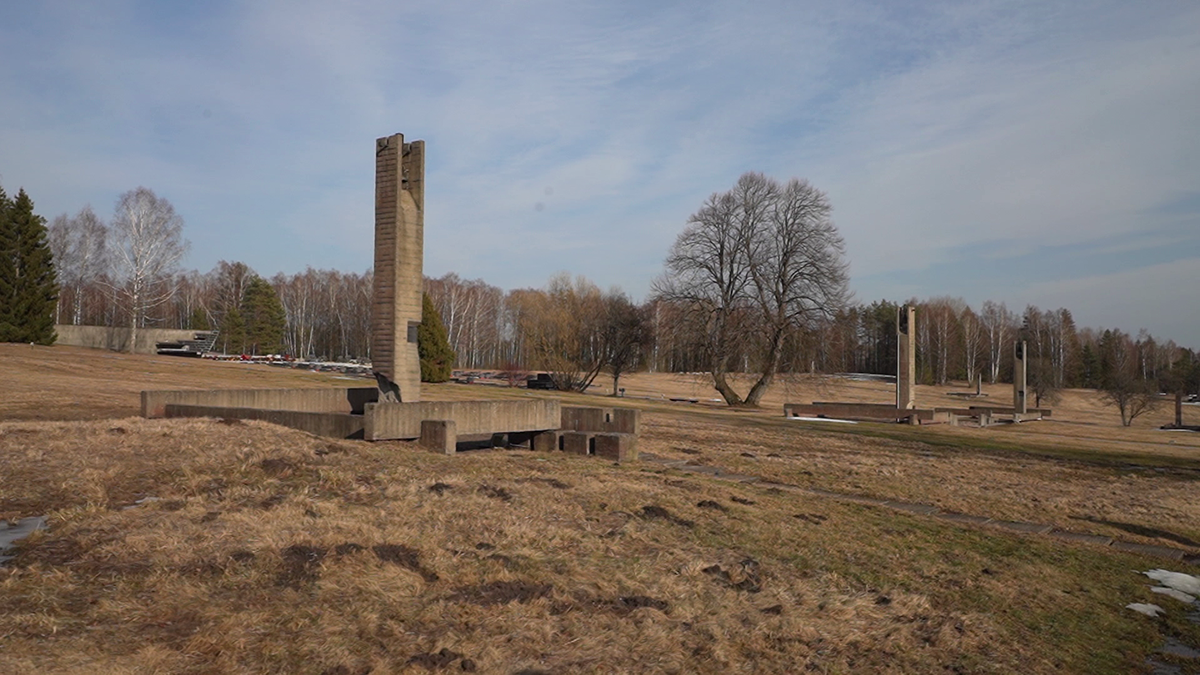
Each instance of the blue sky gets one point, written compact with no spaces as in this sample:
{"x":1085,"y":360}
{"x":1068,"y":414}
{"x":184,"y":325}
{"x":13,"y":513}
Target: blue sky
{"x":1026,"y":152}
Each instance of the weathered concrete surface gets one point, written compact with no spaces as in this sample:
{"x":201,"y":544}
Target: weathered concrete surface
{"x":906,"y":356}
{"x":399,"y":251}
{"x":117,"y":338}
{"x":617,"y":447}
{"x":402,"y":421}
{"x":601,"y":420}
{"x":545,"y":441}
{"x":576,"y":442}
{"x":1020,"y":377}
{"x":861,"y":411}
{"x":331,"y":400}
{"x":327,"y":424}
{"x":439,"y":436}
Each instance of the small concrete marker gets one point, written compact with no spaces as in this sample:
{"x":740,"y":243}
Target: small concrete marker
{"x":441,"y":436}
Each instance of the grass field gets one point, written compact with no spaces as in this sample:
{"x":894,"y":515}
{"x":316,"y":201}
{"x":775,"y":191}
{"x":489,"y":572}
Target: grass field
{"x":202,"y":546}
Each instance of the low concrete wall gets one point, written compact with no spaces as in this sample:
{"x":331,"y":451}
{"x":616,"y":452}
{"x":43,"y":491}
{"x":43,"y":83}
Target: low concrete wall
{"x":332,"y":400}
{"x":117,"y":338}
{"x":402,"y":421}
{"x":866,"y":411}
{"x":330,"y":425}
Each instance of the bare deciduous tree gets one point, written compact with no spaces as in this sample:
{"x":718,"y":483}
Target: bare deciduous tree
{"x":753,"y":264}
{"x":80,"y":256}
{"x":147,"y":245}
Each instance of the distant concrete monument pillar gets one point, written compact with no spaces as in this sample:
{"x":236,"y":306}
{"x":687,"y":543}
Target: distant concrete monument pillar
{"x":1020,"y":378}
{"x":399,"y":248}
{"x":906,"y":357}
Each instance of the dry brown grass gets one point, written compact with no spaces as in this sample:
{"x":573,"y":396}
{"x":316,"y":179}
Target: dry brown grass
{"x":263,"y":549}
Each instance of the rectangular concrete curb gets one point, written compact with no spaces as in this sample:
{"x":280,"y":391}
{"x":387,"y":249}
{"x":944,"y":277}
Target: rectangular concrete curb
{"x":1028,"y":528}
{"x":1081,"y":537}
{"x":1148,"y":549}
{"x":962,"y":518}
{"x":922,"y":509}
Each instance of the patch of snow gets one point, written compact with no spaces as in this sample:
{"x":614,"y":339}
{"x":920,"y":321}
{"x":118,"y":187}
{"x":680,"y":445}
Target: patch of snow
{"x":1185,"y":583}
{"x":1143,"y":608}
{"x":822,"y":419}
{"x":1172,"y":593}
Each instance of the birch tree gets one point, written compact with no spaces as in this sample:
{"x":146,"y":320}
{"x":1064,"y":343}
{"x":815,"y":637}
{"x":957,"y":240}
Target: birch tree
{"x":147,"y":245}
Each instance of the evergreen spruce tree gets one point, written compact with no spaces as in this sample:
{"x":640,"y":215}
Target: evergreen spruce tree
{"x":264,"y":317}
{"x":437,"y":358}
{"x":233,"y":332}
{"x":28,"y":290}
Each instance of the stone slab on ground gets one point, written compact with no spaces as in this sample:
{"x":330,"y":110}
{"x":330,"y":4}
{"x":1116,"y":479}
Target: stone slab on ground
{"x":1082,"y":537}
{"x":1014,"y":526}
{"x":963,"y":518}
{"x":1148,"y":549}
{"x":923,"y":509}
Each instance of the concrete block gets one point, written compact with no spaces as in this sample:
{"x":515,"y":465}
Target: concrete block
{"x":923,"y":509}
{"x":576,"y":418}
{"x":618,"y":447}
{"x":441,"y":436}
{"x":576,"y":442}
{"x":627,"y":421}
{"x":545,"y":441}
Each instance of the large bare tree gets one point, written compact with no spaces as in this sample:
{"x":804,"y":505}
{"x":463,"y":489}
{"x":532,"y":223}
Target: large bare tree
{"x":752,"y":265}
{"x":146,"y":237}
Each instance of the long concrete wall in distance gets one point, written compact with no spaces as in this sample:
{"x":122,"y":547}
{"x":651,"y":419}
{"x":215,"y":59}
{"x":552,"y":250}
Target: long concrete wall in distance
{"x":329,"y":425}
{"x":116,"y":338}
{"x":333,"y":400}
{"x":402,"y":421}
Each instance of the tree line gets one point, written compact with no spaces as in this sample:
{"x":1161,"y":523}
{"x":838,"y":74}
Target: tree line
{"x":755,"y":283}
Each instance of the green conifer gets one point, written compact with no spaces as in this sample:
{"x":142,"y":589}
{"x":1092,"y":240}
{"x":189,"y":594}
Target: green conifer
{"x":264,"y":317}
{"x":437,"y":358}
{"x":28,"y":289}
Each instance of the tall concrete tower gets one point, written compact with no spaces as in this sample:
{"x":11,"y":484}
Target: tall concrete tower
{"x":1020,"y":377}
{"x":906,"y":357}
{"x":399,"y":248}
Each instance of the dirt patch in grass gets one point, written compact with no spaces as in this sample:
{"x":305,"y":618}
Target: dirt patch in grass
{"x":501,"y":592}
{"x":408,"y":558}
{"x":656,"y":512}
